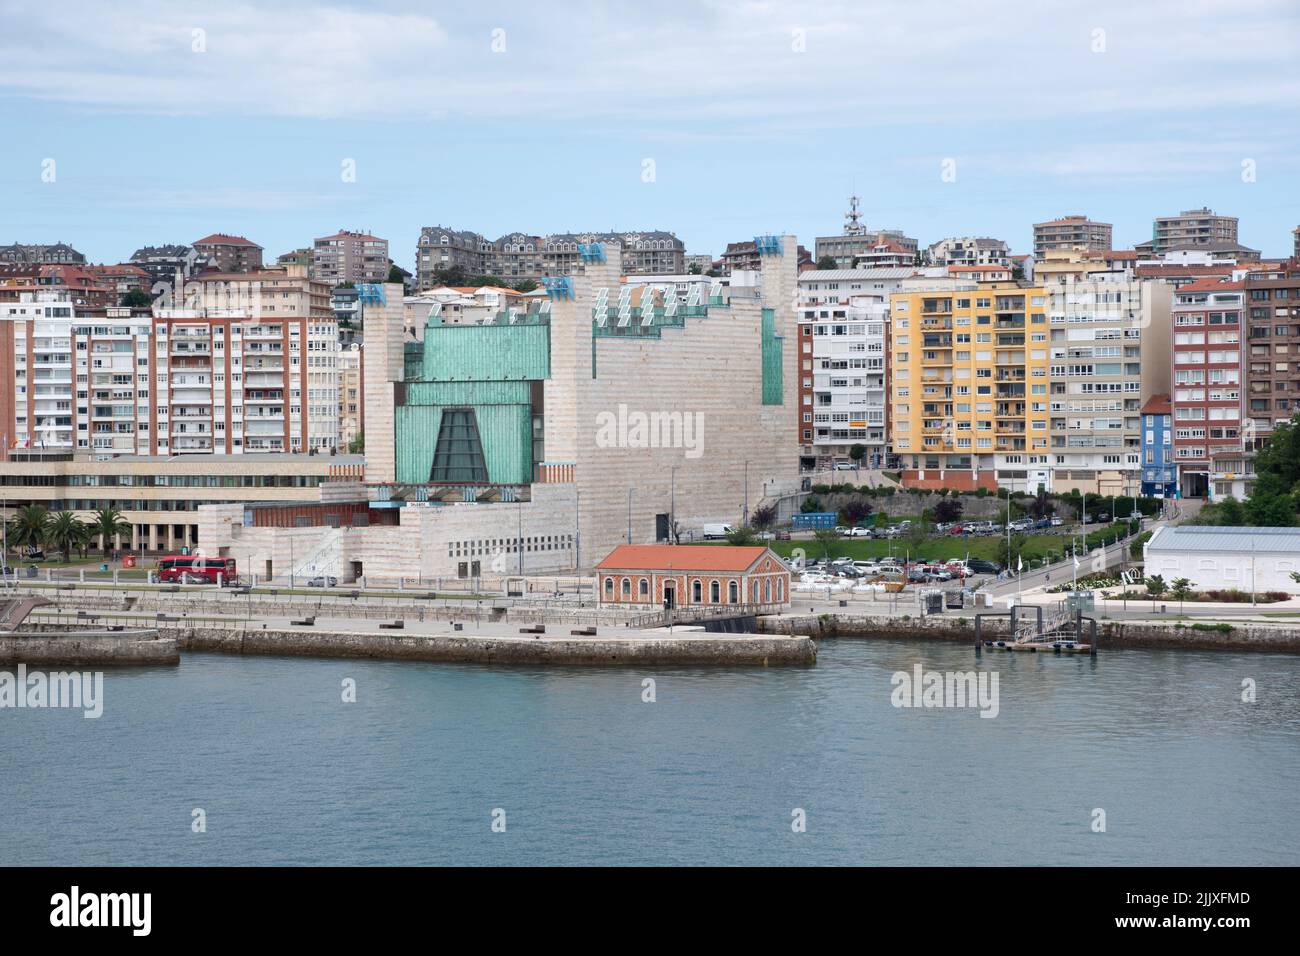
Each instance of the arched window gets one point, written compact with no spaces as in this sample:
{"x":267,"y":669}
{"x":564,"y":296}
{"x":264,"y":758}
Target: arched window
{"x":609,"y":589}
{"x":627,"y":588}
{"x":443,"y":240}
{"x":755,"y":590}
{"x":733,"y":593}
{"x":696,"y":594}
{"x":643,"y":589}
{"x":715,"y":593}
{"x":780,"y":590}
{"x":767,"y":591}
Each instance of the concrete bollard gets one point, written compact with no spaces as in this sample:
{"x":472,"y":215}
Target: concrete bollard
{"x":81,"y":575}
{"x":115,"y":577}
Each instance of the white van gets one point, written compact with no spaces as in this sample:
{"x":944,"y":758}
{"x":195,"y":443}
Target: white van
{"x":713,"y":532}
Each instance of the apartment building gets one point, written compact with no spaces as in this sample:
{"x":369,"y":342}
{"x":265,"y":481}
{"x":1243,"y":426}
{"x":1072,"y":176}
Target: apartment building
{"x":1061,"y":266}
{"x":230,"y":382}
{"x":165,"y":261}
{"x":969,"y":368}
{"x":1207,"y":322}
{"x":72,"y":381}
{"x":1273,"y":361}
{"x":1159,"y":470}
{"x":1191,"y":228}
{"x":518,"y":255}
{"x":969,"y":251}
{"x":60,"y":253}
{"x":351,"y":386}
{"x":1110,"y":351}
{"x":1071,"y":232}
{"x":350,"y":257}
{"x":230,"y":253}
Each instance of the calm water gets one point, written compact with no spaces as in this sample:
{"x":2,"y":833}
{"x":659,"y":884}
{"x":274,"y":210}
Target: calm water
{"x":587,"y":773}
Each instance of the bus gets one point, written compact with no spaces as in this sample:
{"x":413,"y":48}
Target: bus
{"x":188,"y":569}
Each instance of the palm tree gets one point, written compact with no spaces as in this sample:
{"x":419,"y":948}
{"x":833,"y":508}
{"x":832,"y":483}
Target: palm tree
{"x":30,"y":527}
{"x":108,"y":523}
{"x":66,"y":531}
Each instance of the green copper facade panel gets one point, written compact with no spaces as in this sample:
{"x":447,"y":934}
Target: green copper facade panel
{"x":483,"y":353}
{"x":773,"y":361}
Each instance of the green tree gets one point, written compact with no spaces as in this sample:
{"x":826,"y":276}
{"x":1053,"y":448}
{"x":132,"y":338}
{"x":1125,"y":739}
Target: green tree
{"x":741,"y":536}
{"x":136,"y":299}
{"x":29,"y":528}
{"x":810,"y":504}
{"x":857,"y":453}
{"x":357,"y":446}
{"x":1155,"y":586}
{"x":1179,"y":589}
{"x":827,"y":262}
{"x":106,"y":524}
{"x":65,"y":532}
{"x":1270,"y":509}
{"x":397,"y":274}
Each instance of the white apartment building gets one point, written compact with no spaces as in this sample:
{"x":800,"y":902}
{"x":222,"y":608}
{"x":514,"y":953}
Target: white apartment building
{"x":843,"y":317}
{"x":970,"y":251}
{"x":73,"y":383}
{"x":1110,"y":351}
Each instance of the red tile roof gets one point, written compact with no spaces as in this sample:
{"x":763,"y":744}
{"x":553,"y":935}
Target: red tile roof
{"x":221,"y":239}
{"x":1158,"y":405}
{"x":681,"y":557}
{"x":1212,"y":285}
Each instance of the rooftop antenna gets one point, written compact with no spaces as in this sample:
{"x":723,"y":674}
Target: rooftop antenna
{"x":853,"y":219}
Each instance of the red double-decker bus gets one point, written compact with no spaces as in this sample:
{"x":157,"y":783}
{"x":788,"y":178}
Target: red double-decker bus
{"x":188,"y":569}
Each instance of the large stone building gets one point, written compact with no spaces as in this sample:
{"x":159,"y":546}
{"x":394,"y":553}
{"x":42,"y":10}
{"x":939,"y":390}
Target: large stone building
{"x":1071,"y":232}
{"x":518,"y":255}
{"x":543,"y":436}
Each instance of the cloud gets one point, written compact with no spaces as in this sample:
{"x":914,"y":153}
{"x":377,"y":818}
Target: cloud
{"x":712,"y":65}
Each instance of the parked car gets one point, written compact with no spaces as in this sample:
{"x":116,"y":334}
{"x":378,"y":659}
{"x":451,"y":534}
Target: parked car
{"x":323,"y":581}
{"x":1057,"y":522}
{"x":1043,"y":523}
{"x":765,"y":536}
{"x":859,"y":532}
{"x":980,"y":566}
{"x":844,"y":466}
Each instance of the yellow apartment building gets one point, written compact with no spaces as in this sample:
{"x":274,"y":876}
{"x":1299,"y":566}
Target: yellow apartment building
{"x":969,"y":388}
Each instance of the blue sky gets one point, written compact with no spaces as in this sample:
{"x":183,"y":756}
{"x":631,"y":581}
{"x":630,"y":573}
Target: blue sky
{"x":758,"y":117}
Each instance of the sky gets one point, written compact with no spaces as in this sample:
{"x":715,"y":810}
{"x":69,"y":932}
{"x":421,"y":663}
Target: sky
{"x":139,"y":123}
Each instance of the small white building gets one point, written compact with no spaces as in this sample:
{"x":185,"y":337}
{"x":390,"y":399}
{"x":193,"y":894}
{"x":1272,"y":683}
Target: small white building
{"x":1249,"y":559}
